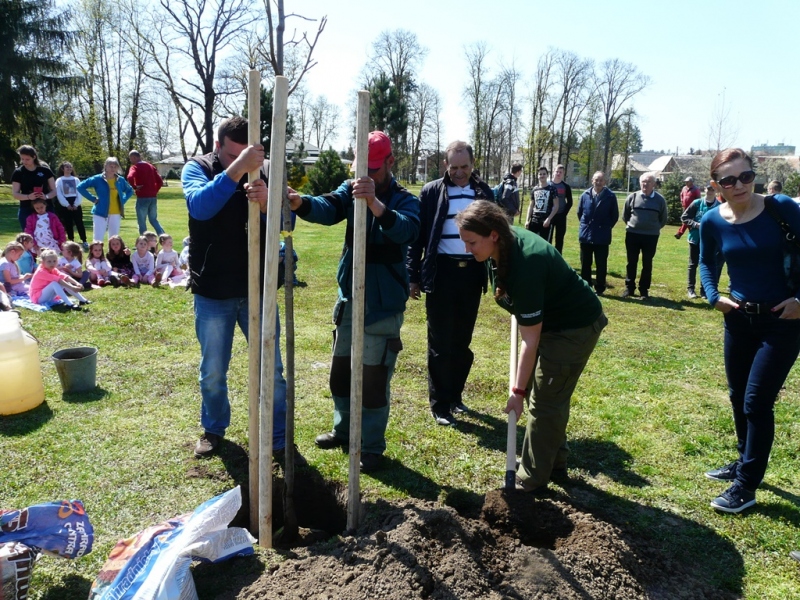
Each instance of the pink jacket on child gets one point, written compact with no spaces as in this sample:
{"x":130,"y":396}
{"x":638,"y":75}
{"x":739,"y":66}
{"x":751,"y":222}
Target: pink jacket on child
{"x":41,"y":279}
{"x":56,"y":228}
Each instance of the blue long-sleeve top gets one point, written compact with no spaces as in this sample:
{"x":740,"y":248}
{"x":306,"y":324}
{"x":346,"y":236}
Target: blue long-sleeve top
{"x":205,"y":198}
{"x":102,"y":201}
{"x":753,"y":252}
{"x":388,"y":237}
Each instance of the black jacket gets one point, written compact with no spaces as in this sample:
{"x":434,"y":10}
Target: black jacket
{"x":434,"y":206}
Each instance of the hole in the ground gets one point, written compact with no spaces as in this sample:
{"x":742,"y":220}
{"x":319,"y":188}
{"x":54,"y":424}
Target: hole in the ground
{"x":320,"y":508}
{"x":538,"y":523}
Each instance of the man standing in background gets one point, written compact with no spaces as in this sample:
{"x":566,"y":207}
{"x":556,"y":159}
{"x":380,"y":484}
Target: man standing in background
{"x":564,"y":193}
{"x":146,"y":182}
{"x":509,"y":194}
{"x":689,"y":194}
{"x":645,"y":215}
{"x":453,"y":281}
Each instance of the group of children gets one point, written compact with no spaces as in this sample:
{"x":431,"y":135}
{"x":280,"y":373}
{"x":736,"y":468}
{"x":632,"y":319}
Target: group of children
{"x":65,"y":277}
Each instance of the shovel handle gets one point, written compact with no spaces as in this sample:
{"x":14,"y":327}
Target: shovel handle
{"x":511,"y":451}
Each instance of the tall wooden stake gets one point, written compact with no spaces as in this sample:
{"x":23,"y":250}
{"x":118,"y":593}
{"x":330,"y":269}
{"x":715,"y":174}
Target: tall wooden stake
{"x":358,"y":300}
{"x":253,"y":296}
{"x":277,"y":164}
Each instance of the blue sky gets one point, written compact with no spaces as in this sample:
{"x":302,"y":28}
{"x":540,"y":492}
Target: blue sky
{"x":692,"y":51}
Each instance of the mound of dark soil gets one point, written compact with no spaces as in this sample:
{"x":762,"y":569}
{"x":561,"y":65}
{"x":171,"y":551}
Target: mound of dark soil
{"x":520,"y":547}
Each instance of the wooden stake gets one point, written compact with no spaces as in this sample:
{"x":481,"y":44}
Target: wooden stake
{"x":253,"y":297}
{"x":277,"y":163}
{"x":358,"y":300}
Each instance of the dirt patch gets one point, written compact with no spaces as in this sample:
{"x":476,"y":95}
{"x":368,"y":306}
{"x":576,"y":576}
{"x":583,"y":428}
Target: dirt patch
{"x":518,"y":547}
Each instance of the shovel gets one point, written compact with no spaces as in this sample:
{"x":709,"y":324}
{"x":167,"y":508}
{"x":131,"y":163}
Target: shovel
{"x":511,"y":437}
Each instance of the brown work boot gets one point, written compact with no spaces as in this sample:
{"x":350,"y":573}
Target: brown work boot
{"x":207,"y":445}
{"x":157,"y":280}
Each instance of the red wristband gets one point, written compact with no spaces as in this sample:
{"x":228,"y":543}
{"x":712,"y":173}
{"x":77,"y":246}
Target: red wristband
{"x":518,"y":391}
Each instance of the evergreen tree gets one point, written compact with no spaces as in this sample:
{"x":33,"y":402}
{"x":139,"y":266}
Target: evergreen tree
{"x":388,"y":111}
{"x":33,"y":40}
{"x":328,"y":173}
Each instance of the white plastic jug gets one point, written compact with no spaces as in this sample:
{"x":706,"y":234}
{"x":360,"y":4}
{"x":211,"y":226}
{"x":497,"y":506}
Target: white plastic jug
{"x":21,"y":386}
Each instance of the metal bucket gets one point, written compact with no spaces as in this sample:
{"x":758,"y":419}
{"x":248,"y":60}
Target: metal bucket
{"x":77,"y":368}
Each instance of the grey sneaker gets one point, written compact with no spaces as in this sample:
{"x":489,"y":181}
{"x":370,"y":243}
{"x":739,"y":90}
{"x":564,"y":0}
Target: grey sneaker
{"x":459,"y":408}
{"x":691,"y":293}
{"x":207,"y":445}
{"x":444,"y":419}
{"x":795,"y":555}
{"x":735,"y":499}
{"x":726,"y":473}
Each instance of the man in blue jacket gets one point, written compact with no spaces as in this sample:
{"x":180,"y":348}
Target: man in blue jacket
{"x":392,"y":224}
{"x":598,"y":212}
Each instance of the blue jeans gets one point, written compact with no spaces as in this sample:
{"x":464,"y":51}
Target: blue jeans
{"x":759,"y":353}
{"x":147,"y":208}
{"x":215,"y":322}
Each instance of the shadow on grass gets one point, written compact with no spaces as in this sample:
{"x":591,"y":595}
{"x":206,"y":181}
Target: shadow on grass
{"x":490,"y":432}
{"x":74,"y":587}
{"x":597,"y":456}
{"x":395,"y":474}
{"x":94,"y":395}
{"x":25,"y":423}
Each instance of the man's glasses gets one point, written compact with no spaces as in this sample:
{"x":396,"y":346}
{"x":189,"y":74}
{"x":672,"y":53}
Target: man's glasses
{"x":745,"y":177}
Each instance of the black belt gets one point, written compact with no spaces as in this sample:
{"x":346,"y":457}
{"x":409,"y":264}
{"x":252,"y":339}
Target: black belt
{"x":755,"y":308}
{"x":459,"y":261}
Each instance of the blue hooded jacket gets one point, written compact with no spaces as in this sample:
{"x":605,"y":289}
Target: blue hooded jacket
{"x":597,"y":216}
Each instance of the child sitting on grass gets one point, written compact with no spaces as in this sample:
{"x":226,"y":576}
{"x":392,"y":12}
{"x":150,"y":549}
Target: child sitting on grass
{"x":97,"y":265}
{"x":27,"y":262}
{"x":152,"y":243}
{"x":168,"y":264}
{"x":48,"y":283}
{"x":144,"y":266}
{"x":119,"y":257}
{"x":183,"y":260}
{"x":71,"y":263}
{"x":13,"y":282}
{"x":45,"y":227}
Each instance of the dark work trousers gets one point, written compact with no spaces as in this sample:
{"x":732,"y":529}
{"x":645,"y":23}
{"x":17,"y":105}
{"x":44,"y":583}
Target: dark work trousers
{"x":598,"y":252}
{"x":559,"y":226}
{"x":451,"y":309}
{"x":694,"y":260}
{"x":634,"y":244}
{"x":543,"y":232}
{"x":759,"y":353}
{"x":71,"y":220}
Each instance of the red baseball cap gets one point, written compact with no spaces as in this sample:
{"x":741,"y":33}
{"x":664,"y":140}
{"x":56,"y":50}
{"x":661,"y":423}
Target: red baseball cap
{"x":380,"y":146}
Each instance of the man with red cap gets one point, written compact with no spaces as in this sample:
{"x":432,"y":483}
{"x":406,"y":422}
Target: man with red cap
{"x":392,"y":224}
{"x":453,"y":281}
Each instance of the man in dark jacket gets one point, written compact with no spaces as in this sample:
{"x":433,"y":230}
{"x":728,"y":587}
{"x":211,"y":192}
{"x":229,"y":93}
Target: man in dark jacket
{"x":509,"y":196}
{"x":598,"y":212}
{"x":217,"y":197}
{"x":439,"y":265}
{"x":392,"y":224}
{"x":564,"y":192}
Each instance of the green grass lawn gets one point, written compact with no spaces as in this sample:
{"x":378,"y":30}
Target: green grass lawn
{"x":649,"y":416}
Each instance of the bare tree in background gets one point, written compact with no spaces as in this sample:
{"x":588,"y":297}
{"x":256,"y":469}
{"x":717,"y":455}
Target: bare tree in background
{"x":543,"y":114}
{"x":399,"y":54}
{"x":421,"y":121}
{"x":300,"y":108}
{"x":324,"y":120}
{"x":722,"y":130}
{"x":508,"y":81}
{"x":475,"y":94}
{"x":183,"y":42}
{"x":616,"y":84}
{"x":574,"y":76}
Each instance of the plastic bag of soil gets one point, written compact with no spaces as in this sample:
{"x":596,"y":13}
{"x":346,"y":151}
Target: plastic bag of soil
{"x":154,"y":564}
{"x":54,"y":528}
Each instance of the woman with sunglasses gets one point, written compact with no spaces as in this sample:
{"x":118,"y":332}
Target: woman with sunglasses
{"x":762,"y":316}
